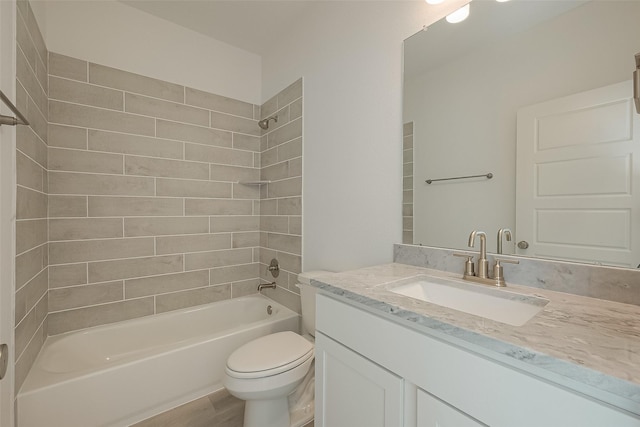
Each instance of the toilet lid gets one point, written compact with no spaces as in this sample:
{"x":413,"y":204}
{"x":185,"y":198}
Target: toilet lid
{"x":271,"y":354}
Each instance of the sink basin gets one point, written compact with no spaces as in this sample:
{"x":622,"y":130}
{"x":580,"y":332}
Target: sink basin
{"x":495,"y":304}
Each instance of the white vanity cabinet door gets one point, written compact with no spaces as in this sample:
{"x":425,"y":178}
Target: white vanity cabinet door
{"x":352,"y":391}
{"x":432,"y":412}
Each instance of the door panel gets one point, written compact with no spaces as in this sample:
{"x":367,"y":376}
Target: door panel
{"x":578,"y":177}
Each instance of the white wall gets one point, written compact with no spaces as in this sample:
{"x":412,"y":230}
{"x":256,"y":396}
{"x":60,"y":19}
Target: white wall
{"x":350,"y":55}
{"x":114,"y":34}
{"x":537,"y":65}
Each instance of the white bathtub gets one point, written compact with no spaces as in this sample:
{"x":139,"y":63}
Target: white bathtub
{"x":118,"y":374}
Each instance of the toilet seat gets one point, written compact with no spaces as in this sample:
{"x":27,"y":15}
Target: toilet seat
{"x":269,"y":355}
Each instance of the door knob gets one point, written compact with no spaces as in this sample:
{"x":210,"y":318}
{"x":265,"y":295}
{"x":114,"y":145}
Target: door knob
{"x":523,"y":244}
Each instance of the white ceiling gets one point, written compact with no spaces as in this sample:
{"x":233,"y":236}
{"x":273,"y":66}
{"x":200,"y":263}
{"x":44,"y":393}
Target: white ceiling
{"x":249,"y":25}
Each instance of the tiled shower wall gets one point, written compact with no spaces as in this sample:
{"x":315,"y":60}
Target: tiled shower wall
{"x":145,"y":211}
{"x":407,"y":183}
{"x":281,"y":196}
{"x":132,"y":196}
{"x":31,"y":197}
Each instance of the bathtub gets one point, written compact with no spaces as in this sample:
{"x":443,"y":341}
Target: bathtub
{"x":122,"y":373}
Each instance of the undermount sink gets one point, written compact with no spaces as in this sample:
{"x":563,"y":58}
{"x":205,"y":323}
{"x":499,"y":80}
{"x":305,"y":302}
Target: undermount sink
{"x":495,"y":304}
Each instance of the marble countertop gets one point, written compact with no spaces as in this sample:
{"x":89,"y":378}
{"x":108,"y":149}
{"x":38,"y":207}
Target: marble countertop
{"x":588,"y":345}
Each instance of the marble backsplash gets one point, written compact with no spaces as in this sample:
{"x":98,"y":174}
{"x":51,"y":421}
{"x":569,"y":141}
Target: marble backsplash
{"x":608,"y":283}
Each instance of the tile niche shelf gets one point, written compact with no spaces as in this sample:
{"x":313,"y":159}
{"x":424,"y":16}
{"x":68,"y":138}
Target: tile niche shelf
{"x":254,"y":182}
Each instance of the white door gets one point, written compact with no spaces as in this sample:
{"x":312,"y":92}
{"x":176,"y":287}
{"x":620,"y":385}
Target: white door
{"x":7,"y":204}
{"x":578,"y":177}
{"x":352,"y":391}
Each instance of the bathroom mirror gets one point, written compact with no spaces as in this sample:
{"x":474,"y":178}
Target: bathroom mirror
{"x":538,"y":94}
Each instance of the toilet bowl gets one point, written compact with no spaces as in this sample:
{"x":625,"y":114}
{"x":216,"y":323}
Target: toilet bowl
{"x":265,"y":371}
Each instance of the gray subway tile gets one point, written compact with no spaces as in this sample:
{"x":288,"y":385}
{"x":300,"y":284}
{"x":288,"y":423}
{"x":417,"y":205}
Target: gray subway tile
{"x":67,"y":137}
{"x":234,"y":123}
{"x":290,"y":93}
{"x":192,"y":243}
{"x":159,"y":226}
{"x":290,"y":150}
{"x":191,"y":133}
{"x":84,"y":228}
{"x":29,"y":264}
{"x":220,"y":258}
{"x":26,"y":76}
{"x":96,"y":118}
{"x":104,"y":271}
{"x":217,"y":207}
{"x":233,"y":273}
{"x":246,"y":239}
{"x":134,"y":206}
{"x":154,"y":107}
{"x":233,"y":173}
{"x":67,"y":67}
{"x":28,"y":142}
{"x":225,"y":156}
{"x":146,"y":166}
{"x":285,"y":188}
{"x":29,"y":295}
{"x":67,"y":275}
{"x":30,"y":233}
{"x":295,"y":109}
{"x":29,"y":173}
{"x":244,"y":288}
{"x":134,"y":144}
{"x":67,"y":206}
{"x":135,"y":288}
{"x":192,"y":188}
{"x":94,"y":250}
{"x":86,"y":94}
{"x":234,"y":223}
{"x":61,"y":159}
{"x":30,"y":204}
{"x":274,"y":224}
{"x":243,"y":191}
{"x":118,"y":79}
{"x":246,"y":142}
{"x":285,"y":243}
{"x":90,"y":184}
{"x":291,"y":130}
{"x":81,"y":296}
{"x":219,"y":103}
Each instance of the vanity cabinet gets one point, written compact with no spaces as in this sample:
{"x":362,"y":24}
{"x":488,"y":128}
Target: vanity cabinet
{"x":356,"y":391}
{"x":374,"y":371}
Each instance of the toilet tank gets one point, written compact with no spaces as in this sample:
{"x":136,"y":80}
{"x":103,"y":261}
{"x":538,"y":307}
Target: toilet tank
{"x":308,"y":299}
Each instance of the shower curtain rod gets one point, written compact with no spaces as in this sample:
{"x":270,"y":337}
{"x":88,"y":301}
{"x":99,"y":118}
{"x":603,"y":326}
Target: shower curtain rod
{"x":8,"y":120}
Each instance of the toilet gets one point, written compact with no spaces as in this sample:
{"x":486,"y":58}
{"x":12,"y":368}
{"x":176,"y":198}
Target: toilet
{"x":265,"y":371}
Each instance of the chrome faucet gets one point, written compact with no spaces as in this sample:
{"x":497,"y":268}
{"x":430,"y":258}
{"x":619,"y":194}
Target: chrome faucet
{"x":503,"y":232}
{"x":482,"y":276}
{"x":483,"y":264}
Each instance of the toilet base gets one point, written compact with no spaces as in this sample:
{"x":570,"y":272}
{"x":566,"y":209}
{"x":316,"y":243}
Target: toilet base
{"x":267,"y":413}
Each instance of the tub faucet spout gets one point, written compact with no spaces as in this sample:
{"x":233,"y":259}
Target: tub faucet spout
{"x":262,"y":286}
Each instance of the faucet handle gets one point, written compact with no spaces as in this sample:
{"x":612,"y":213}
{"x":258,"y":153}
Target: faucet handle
{"x":468,"y":264}
{"x":498,"y":271}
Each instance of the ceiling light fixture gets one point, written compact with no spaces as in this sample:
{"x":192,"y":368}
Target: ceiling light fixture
{"x":434,"y":1}
{"x":459,"y":15}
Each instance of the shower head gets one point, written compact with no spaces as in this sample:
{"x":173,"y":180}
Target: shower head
{"x":264,"y":123}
